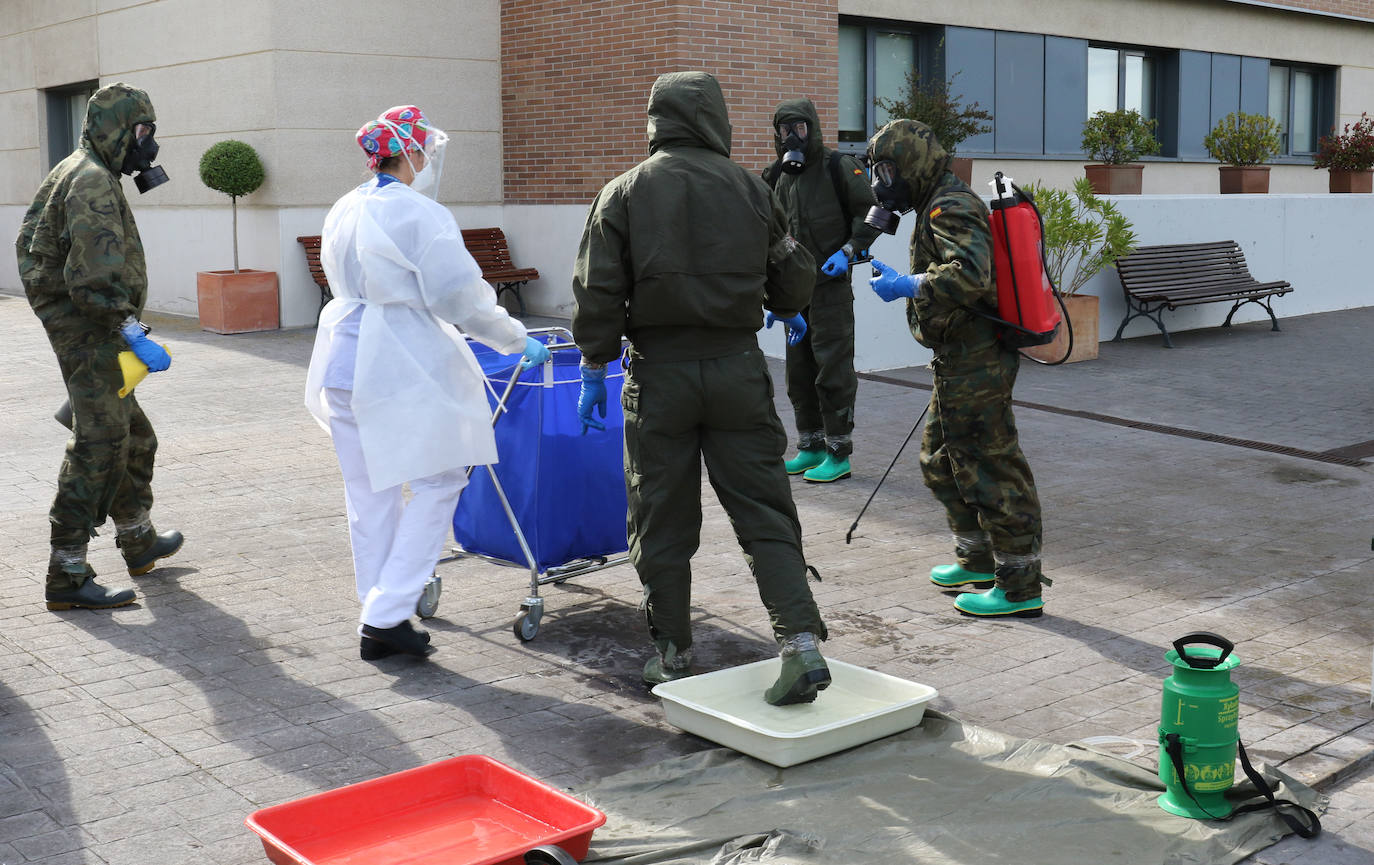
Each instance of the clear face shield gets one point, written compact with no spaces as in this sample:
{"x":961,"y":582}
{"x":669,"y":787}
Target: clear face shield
{"x":427,"y":176}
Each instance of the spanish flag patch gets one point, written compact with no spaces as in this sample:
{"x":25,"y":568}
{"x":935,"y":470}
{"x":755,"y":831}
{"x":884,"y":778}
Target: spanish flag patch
{"x":936,"y":212}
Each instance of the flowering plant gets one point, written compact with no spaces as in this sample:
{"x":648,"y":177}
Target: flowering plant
{"x":1352,"y":149}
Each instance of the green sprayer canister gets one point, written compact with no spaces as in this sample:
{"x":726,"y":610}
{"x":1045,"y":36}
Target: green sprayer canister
{"x":1197,"y":727}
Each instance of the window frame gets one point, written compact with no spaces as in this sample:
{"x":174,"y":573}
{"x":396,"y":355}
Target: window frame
{"x":923,"y":62}
{"x":61,"y":128}
{"x":1322,"y":116}
{"x":1157,"y":57}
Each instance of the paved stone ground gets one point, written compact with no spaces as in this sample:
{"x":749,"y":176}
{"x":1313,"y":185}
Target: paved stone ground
{"x":146,"y":734}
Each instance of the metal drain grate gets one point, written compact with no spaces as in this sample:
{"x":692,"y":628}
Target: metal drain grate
{"x":1341,"y":457}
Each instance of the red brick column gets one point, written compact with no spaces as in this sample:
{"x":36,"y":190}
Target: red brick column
{"x":576,"y":74}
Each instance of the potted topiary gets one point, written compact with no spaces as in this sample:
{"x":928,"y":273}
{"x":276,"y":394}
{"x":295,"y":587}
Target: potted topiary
{"x":1242,"y":142}
{"x":1114,"y":140}
{"x":238,"y":300}
{"x":1083,"y":234}
{"x":1349,"y":156}
{"x":949,"y":119}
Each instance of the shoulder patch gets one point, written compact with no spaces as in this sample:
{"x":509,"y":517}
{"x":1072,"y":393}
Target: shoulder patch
{"x":858,"y":171}
{"x":936,"y":212}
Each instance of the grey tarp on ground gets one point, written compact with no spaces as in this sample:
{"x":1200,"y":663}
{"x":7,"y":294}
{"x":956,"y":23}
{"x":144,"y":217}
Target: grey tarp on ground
{"x":944,"y":793}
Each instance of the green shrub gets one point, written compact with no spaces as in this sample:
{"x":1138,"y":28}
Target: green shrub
{"x":930,"y":103}
{"x":1352,"y":149}
{"x":233,"y":168}
{"x":1243,"y":139}
{"x":1119,"y":137}
{"x":1082,"y":232}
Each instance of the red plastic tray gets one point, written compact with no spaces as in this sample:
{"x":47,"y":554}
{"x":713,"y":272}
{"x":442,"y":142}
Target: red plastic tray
{"x":468,"y":810}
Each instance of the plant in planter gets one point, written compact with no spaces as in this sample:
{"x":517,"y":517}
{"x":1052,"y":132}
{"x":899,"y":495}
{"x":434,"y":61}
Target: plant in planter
{"x":1083,"y":235}
{"x":238,"y":300}
{"x":1242,"y":142}
{"x":1349,"y":156}
{"x":1114,"y":140}
{"x":931,"y":103}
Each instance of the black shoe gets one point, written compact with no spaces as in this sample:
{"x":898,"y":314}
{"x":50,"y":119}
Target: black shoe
{"x":89,"y":596}
{"x":166,"y":544}
{"x":402,"y":638}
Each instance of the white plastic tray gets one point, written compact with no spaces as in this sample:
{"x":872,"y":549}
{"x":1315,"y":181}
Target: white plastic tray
{"x":727,"y":707}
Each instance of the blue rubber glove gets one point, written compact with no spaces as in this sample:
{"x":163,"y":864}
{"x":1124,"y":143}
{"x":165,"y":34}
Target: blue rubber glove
{"x":536,"y":353}
{"x":796,"y":326}
{"x":890,"y":285}
{"x":154,"y":356}
{"x":593,"y":395}
{"x":836,"y":264}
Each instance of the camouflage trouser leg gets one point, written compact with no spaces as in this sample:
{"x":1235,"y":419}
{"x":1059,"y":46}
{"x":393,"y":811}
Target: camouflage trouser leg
{"x":720,"y":409}
{"x":108,"y":467}
{"x":821,"y":382}
{"x":972,"y":461}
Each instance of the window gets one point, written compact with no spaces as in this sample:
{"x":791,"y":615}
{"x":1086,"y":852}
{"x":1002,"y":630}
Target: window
{"x":1122,"y":78}
{"x":874,"y":63}
{"x":1297,"y":100}
{"x":66,"y":115}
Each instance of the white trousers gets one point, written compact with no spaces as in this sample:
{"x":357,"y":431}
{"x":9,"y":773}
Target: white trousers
{"x":396,"y":543}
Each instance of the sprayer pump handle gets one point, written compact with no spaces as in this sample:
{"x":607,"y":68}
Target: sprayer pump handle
{"x":1209,"y":638}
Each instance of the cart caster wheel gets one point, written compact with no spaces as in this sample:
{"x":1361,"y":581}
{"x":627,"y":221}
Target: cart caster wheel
{"x":526,"y":627}
{"x":428,"y":604}
{"x":549,"y":854}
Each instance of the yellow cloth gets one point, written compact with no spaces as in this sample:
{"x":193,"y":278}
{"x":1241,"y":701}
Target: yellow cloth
{"x":134,"y":371}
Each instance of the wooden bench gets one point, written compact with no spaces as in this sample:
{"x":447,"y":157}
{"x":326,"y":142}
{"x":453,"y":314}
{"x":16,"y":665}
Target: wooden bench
{"x":311,"y":244}
{"x":1156,"y":278}
{"x":486,"y":245}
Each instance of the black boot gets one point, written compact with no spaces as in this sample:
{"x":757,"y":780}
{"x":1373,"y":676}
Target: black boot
{"x":162,"y":546}
{"x":402,"y":638}
{"x":88,"y":596}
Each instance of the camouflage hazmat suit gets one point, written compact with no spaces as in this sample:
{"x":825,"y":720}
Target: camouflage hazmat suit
{"x":680,"y":254}
{"x":82,"y":265}
{"x":821,"y":382}
{"x":970,"y":455}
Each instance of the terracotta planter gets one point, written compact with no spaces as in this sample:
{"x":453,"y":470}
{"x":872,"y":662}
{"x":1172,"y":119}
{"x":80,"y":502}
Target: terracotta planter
{"x":1115,"y":179}
{"x":1244,"y":179}
{"x":1347,"y":180}
{"x":962,"y":167}
{"x":1083,"y":317}
{"x":240,"y":302}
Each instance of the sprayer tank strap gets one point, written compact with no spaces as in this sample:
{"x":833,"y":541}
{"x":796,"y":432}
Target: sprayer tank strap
{"x":1173,"y":746}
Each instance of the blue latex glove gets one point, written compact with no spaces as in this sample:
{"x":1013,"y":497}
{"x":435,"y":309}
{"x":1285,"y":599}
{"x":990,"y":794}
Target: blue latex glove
{"x":796,"y":326}
{"x":536,"y":353}
{"x":890,"y":285}
{"x":593,"y":395}
{"x":154,"y":356}
{"x":836,"y":264}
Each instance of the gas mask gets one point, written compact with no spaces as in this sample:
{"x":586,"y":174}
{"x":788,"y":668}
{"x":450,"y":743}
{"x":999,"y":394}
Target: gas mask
{"x":140,"y":158}
{"x":426,"y":180}
{"x":793,"y":137}
{"x":893,"y":194}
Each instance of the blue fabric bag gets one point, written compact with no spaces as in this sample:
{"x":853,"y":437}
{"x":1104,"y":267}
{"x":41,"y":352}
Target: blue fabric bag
{"x":567,"y":490}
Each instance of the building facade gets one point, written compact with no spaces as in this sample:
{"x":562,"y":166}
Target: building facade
{"x":544,"y":99}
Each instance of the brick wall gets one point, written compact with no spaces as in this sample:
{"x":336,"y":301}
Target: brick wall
{"x":1355,"y":8}
{"x":576,"y":76}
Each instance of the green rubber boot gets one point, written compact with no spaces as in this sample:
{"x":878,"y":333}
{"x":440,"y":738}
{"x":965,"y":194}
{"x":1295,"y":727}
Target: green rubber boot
{"x":804,"y":460}
{"x":832,"y":469}
{"x":804,"y":673}
{"x":668,"y":665}
{"x":994,"y":602}
{"x":949,"y":576}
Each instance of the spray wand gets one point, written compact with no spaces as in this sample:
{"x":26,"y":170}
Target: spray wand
{"x":849,"y":534}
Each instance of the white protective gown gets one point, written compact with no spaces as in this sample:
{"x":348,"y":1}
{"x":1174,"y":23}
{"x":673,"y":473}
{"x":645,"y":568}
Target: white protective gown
{"x":417,"y":391}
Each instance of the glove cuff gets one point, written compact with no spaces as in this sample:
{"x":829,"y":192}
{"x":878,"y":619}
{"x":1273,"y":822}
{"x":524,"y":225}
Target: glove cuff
{"x":592,"y":373}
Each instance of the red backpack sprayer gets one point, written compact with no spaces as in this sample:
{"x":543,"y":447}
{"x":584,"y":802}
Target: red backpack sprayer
{"x":1029,"y":307}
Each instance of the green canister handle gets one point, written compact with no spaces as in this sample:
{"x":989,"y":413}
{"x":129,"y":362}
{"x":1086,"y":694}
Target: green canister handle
{"x":1198,"y":662}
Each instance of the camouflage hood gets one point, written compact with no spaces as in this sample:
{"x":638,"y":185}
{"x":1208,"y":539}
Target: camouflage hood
{"x":918,"y":155}
{"x":111,"y":115}
{"x":688,"y":109}
{"x":792,"y":110}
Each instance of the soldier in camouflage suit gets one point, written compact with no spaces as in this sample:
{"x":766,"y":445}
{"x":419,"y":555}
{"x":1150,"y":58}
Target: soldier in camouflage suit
{"x":970,"y":457}
{"x":82,"y":265}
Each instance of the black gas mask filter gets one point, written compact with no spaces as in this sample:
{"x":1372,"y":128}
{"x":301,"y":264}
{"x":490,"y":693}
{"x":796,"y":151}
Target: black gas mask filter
{"x":793,"y":136}
{"x":140,"y":158}
{"x":893,"y":194}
